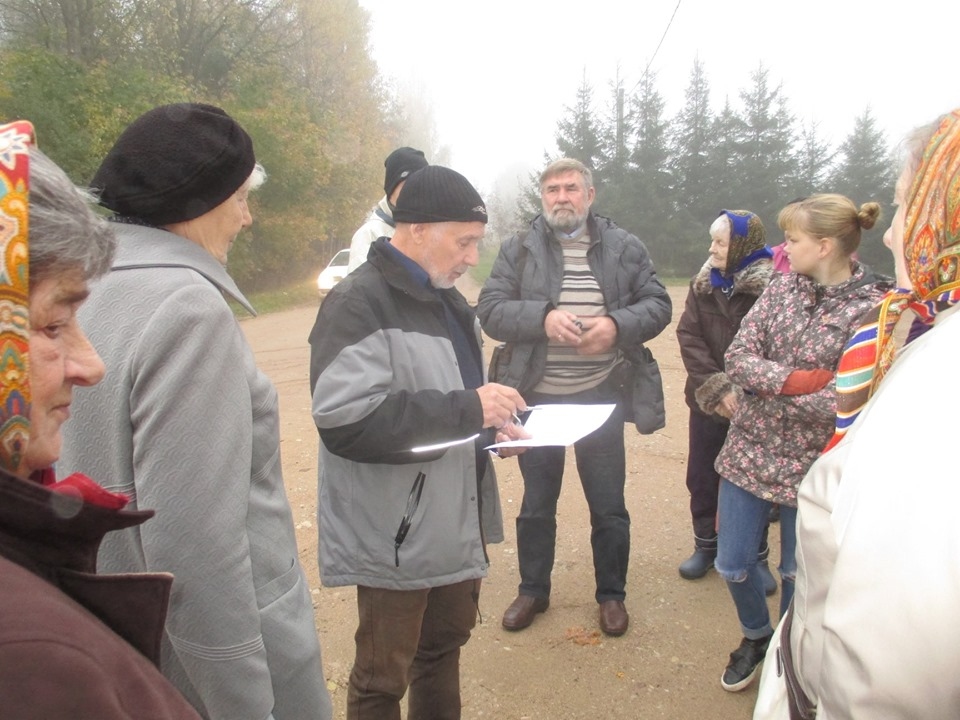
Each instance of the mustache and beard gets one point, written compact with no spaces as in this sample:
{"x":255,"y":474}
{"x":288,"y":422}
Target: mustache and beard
{"x":564,"y":218}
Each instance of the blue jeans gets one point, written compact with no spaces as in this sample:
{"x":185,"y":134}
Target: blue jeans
{"x":743,"y":517}
{"x":601,"y":465}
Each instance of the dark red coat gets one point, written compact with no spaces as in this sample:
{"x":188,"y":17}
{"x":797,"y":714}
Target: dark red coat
{"x":74,"y":644}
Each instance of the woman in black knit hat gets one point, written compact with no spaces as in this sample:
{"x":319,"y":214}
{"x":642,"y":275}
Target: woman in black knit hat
{"x":187,"y":425}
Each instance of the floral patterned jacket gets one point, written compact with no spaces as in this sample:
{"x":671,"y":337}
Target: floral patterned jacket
{"x":796,"y":324}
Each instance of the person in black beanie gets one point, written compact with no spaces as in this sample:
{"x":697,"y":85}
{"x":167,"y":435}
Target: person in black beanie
{"x":396,"y":365}
{"x":175,"y":163}
{"x":399,"y":165}
{"x":187,"y":425}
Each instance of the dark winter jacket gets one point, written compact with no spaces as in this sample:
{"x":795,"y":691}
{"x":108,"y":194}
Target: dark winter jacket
{"x":525,"y":282}
{"x":709,"y":322}
{"x":74,"y":644}
{"x":386,"y":379}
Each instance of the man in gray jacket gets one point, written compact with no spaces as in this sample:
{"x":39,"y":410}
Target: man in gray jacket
{"x":575,"y":297}
{"x":396,"y":367}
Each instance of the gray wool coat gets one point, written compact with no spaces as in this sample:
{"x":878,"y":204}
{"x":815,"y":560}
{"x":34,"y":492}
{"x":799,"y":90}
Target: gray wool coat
{"x":186,"y":424}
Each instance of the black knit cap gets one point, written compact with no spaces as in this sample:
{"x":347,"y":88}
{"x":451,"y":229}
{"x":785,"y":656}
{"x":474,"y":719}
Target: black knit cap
{"x":400,"y":164}
{"x":175,"y":163}
{"x":439,"y":194}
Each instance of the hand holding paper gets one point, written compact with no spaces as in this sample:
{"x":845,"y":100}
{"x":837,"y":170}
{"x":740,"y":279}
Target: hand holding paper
{"x":511,"y":431}
{"x":498,"y":403}
{"x":559,"y":425}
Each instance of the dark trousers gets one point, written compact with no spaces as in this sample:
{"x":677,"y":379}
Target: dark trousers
{"x":706,"y":438}
{"x":411,"y":638}
{"x":602,"y":468}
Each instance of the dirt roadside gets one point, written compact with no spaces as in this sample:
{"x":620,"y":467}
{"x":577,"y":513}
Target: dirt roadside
{"x":668,"y":664}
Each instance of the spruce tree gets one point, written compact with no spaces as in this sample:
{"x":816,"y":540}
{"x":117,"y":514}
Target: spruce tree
{"x":766,"y":167}
{"x":813,"y":161}
{"x":864,"y":173}
{"x":578,"y":134}
{"x":691,"y":141}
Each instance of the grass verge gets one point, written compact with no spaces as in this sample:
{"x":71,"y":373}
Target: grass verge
{"x":303,"y":293}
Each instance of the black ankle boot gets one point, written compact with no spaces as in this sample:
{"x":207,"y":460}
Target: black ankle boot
{"x":704,"y":553}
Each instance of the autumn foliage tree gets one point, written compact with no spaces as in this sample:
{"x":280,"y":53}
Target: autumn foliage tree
{"x":297,"y":74}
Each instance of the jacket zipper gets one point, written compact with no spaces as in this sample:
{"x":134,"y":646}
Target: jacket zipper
{"x":413,"y":501}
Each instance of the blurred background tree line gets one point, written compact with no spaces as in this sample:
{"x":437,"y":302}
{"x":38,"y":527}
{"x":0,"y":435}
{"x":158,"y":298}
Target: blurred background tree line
{"x":299,"y":76}
{"x":666,"y":179}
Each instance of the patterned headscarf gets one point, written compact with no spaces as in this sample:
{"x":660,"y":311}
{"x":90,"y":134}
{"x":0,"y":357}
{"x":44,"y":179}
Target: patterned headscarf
{"x":931,"y":239}
{"x":747,"y":245}
{"x":15,"y":139}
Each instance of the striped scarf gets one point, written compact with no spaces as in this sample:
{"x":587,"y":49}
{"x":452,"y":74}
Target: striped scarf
{"x":15,"y":138}
{"x":931,"y":247}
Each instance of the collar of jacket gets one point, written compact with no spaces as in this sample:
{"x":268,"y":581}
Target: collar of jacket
{"x":57,"y":536}
{"x":400,"y":278}
{"x":862,"y":278}
{"x":596,"y":224}
{"x":384,"y":212}
{"x":752,"y":280}
{"x":148,"y":247}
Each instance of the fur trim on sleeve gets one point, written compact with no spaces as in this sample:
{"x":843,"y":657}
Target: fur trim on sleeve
{"x":713,"y":391}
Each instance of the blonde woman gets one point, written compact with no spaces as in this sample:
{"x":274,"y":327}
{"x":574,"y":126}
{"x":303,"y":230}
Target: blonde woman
{"x":873,"y":632}
{"x":784,"y":358}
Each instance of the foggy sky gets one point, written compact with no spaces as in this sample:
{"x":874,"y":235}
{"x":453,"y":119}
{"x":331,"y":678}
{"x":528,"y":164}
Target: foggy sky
{"x":499,"y":73}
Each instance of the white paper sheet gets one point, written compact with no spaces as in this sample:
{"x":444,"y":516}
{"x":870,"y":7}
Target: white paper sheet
{"x":559,"y":424}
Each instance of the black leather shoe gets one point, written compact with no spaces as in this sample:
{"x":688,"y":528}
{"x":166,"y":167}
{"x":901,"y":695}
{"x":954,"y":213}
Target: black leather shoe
{"x":613,"y":617}
{"x":522,"y":611}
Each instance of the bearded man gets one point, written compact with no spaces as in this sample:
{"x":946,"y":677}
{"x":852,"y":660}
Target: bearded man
{"x":575,"y":297}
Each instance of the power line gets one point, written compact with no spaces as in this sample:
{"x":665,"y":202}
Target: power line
{"x":662,"y":38}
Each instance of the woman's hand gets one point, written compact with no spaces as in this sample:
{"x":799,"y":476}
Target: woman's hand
{"x":727,"y":407}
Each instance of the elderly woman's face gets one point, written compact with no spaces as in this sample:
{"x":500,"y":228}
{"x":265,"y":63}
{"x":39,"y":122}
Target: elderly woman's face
{"x":893,"y":237}
{"x":719,"y":249}
{"x":216,"y":229}
{"x":60,"y":357}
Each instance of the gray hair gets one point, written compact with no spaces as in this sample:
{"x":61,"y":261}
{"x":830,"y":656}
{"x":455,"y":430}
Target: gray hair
{"x":565,"y":165}
{"x":65,"y":233}
{"x":257,"y":177}
{"x":720,"y":225}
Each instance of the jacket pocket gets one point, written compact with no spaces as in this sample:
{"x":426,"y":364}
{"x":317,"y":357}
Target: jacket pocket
{"x":413,"y":501}
{"x":499,"y":362}
{"x":279,"y":586}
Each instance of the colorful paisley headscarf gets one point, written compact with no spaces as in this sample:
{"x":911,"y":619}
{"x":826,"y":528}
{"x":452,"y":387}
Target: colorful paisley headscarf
{"x":14,"y":293}
{"x":931,"y":238}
